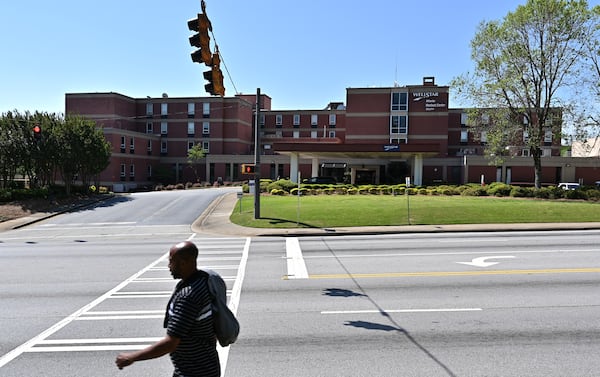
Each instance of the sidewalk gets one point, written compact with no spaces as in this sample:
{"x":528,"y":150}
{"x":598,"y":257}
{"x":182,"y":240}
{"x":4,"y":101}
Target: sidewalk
{"x":215,"y":221}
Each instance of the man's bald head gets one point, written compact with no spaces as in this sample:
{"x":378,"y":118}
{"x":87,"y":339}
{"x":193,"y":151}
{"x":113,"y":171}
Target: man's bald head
{"x":185,"y":249}
{"x":182,"y":259}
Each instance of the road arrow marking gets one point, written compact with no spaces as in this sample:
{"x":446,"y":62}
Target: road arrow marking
{"x":481,"y":261}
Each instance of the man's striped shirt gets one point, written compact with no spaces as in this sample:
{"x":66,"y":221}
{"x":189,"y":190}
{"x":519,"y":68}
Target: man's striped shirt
{"x":189,"y":318}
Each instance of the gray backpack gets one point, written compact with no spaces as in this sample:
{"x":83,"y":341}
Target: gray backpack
{"x":227,"y":327}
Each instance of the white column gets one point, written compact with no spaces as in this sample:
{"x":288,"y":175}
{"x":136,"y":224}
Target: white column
{"x":418,"y":170}
{"x":315,"y":168}
{"x":294,"y":157}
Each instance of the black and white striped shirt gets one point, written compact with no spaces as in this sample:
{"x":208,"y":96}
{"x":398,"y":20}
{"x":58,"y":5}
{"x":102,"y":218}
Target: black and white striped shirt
{"x":189,"y":318}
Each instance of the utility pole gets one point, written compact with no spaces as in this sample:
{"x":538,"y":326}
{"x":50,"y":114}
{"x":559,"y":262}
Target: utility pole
{"x":257,"y":157}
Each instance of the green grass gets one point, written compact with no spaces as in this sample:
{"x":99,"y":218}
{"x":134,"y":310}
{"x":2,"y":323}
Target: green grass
{"x":326,"y":211}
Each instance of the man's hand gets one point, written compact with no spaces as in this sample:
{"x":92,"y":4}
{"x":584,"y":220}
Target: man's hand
{"x":123,"y":360}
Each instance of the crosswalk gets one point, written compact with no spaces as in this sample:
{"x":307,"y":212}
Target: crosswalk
{"x":136,"y":306}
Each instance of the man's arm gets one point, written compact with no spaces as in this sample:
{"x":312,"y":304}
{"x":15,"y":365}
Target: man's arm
{"x":164,"y":346}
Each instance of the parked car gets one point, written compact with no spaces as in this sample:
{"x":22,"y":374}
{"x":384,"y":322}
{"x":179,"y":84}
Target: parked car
{"x":321,"y":180}
{"x":598,"y":184}
{"x":568,"y":185}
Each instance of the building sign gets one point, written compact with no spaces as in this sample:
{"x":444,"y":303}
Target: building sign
{"x":391,"y":148}
{"x":431,"y":101}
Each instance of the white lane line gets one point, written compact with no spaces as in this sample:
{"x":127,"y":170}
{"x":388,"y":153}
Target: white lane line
{"x":442,"y":310}
{"x":99,"y":341}
{"x":25,"y":347}
{"x":119,"y":317}
{"x":124,"y":347}
{"x":234,"y":300}
{"x":296,"y":267}
{"x":124,"y":312}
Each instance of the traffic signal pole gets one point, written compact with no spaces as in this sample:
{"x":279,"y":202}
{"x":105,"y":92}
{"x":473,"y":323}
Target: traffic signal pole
{"x":257,"y":157}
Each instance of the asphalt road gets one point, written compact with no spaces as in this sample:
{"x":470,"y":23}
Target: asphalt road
{"x":79,"y":288}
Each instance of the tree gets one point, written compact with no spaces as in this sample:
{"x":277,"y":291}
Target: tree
{"x":523,"y":63}
{"x":584,"y":112}
{"x":195,"y":155}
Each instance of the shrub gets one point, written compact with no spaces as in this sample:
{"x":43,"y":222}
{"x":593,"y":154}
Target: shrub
{"x":499,"y":189}
{"x":352,"y":191}
{"x":277,"y":192}
{"x":521,"y":192}
{"x":474,"y":191}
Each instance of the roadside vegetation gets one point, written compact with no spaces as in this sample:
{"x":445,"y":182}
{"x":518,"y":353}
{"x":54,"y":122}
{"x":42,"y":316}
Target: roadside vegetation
{"x":324,"y":206}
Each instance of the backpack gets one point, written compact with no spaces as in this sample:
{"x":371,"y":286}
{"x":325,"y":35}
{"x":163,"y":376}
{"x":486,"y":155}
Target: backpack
{"x":225,"y":324}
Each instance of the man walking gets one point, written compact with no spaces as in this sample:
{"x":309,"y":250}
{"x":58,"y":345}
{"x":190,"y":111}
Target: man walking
{"x":190,"y":337}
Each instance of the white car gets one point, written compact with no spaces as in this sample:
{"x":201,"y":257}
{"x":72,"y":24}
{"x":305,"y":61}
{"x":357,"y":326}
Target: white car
{"x":568,"y":186}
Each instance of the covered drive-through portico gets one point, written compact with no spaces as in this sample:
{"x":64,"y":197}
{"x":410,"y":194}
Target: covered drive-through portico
{"x":362,"y":163}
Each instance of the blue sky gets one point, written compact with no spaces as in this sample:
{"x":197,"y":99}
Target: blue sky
{"x":303,"y":54}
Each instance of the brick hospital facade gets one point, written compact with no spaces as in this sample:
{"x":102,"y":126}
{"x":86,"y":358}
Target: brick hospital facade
{"x":379,"y":135}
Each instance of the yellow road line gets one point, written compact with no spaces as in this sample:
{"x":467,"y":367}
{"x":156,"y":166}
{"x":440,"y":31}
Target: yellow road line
{"x":457,"y":273}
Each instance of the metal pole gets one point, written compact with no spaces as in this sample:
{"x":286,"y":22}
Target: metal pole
{"x":257,"y":157}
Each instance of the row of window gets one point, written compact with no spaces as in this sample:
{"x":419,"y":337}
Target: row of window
{"x":314,"y":119}
{"x":313,"y":134}
{"x":163,"y":145}
{"x":191,"y":128}
{"x":464,"y":136}
{"x":132,"y":170}
{"x":191,"y":111}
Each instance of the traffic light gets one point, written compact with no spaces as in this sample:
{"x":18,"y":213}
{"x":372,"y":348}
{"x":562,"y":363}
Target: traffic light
{"x":37,"y":132}
{"x":215,"y":77}
{"x":248,"y":168}
{"x":201,"y":40}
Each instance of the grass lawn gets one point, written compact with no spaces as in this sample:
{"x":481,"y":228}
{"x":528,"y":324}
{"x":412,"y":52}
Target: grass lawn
{"x":325,"y":211}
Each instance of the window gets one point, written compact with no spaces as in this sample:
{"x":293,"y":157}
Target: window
{"x":278,"y":133}
{"x":464,"y":118}
{"x":191,"y":109}
{"x":464,"y":136}
{"x":149,"y":109}
{"x":149,"y":128}
{"x":206,"y":109}
{"x":296,"y":119}
{"x":164,"y":128}
{"x":149,"y":171}
{"x":278,"y":119}
{"x":483,"y":137}
{"x":548,"y":135}
{"x":262,"y":119}
{"x":314,"y":120}
{"x":205,"y":128}
{"x":331,"y":133}
{"x":149,"y":145}
{"x":525,"y":152}
{"x":296,"y":134}
{"x":206,"y":146}
{"x":122,"y":142}
{"x":190,"y":145}
{"x":400,"y":101}
{"x":398,"y":124}
{"x":313,"y":134}
{"x":546,"y":152}
{"x":132,"y":144}
{"x":332,"y":119}
{"x":164,"y":109}
{"x":191,"y":128}
{"x":163,"y":147}
{"x":132,"y":170}
{"x":525,"y":136}
{"x":122,"y":170}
